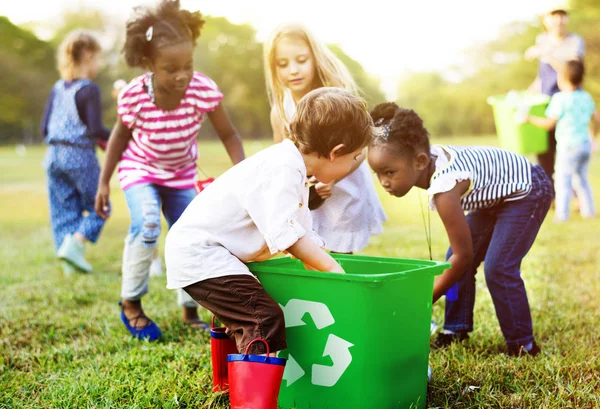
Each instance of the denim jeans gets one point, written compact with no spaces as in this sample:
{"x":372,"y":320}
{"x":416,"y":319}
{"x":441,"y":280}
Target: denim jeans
{"x":145,"y":202}
{"x":572,"y":162}
{"x":502,"y":236}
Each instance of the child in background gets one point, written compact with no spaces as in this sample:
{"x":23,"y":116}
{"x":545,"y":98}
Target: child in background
{"x":553,"y":48}
{"x":72,"y":126}
{"x":573,"y":113}
{"x":154,"y":139}
{"x":295,"y":64}
{"x":507,"y":199}
{"x":257,"y":210}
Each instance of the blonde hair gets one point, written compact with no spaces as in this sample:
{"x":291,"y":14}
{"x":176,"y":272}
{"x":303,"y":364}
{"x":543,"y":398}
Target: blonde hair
{"x":330,"y":71}
{"x":327,"y":117}
{"x":71,"y":51}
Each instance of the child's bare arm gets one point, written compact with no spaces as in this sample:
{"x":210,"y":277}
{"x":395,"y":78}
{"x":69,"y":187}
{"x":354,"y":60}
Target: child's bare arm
{"x":227,"y":133}
{"x":459,"y":234}
{"x":541,"y":122}
{"x":277,"y":125}
{"x":117,"y":143}
{"x":313,"y":256}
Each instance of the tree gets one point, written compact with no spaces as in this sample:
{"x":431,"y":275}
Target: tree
{"x":23,"y":64}
{"x":494,"y":68}
{"x":226,"y":52}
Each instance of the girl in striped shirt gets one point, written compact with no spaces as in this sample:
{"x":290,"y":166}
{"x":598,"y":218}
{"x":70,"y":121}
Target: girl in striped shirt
{"x":154,"y":142}
{"x":506,"y":199}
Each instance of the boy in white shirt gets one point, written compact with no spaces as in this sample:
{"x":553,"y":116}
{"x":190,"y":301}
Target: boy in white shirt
{"x":259,"y":209}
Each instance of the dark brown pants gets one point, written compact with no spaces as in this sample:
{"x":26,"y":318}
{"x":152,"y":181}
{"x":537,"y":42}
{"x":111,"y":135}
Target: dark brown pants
{"x":242,"y":305}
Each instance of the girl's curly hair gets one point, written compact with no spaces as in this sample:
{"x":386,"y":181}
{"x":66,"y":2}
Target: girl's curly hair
{"x":163,"y":25}
{"x":399,"y":129}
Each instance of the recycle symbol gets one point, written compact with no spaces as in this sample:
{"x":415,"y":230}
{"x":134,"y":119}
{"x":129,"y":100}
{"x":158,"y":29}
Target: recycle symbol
{"x":336,"y":348}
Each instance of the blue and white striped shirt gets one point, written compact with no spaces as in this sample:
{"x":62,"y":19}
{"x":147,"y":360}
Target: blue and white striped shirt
{"x":496,"y":175}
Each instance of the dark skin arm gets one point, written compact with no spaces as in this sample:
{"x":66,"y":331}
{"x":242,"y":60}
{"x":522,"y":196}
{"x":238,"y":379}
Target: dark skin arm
{"x":117,"y":143}
{"x":228,"y":134}
{"x":452,"y":215}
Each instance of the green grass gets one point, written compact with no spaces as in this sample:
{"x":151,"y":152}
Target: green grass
{"x":62,"y":344}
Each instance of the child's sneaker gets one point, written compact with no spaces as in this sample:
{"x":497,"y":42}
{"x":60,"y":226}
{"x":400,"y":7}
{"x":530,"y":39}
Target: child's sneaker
{"x":68,"y":268}
{"x":517,"y":351}
{"x":156,"y":267}
{"x":444,"y":339}
{"x":72,"y":250}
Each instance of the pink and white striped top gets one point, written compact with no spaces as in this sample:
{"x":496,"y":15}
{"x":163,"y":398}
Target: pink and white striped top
{"x":163,"y":147}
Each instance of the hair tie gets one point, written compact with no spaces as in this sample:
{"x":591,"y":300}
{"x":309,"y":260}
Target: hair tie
{"x":149,"y":33}
{"x":383,"y":131}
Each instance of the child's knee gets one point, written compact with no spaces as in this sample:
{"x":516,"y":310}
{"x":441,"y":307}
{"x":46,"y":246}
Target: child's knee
{"x":498,"y":273}
{"x":147,"y":224}
{"x":273,"y":327}
{"x":276,"y":320}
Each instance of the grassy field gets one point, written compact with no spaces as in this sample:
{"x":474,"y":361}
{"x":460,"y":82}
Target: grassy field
{"x":62,"y":344}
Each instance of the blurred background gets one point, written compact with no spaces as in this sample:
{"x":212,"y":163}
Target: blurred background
{"x":441,"y":58}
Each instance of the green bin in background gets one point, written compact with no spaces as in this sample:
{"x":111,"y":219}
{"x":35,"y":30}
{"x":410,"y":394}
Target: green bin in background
{"x":520,"y":138}
{"x":357,"y":340}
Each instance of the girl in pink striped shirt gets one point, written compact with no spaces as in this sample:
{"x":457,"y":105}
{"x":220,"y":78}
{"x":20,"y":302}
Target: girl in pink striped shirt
{"x":154,"y":143}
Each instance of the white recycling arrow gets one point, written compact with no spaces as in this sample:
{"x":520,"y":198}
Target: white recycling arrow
{"x":339,"y":351}
{"x":292,"y":371}
{"x":295,"y":310}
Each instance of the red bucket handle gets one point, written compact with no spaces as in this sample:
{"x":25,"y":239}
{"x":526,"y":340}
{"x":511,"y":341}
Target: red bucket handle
{"x":259,"y":340}
{"x":212,"y":323}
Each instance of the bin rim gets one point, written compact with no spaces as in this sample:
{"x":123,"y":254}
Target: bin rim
{"x":421,"y":266}
{"x":500,"y":98}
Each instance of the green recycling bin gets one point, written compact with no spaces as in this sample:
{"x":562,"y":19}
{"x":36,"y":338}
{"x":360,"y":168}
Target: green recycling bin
{"x":357,"y":340}
{"x":522,"y":138}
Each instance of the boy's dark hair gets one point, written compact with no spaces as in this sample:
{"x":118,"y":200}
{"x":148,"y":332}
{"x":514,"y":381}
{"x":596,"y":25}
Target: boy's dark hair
{"x":327,"y":117}
{"x":573,"y":71}
{"x":399,"y":129}
{"x":152,"y":28}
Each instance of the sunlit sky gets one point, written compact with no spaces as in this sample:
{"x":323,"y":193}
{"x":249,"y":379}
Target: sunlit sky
{"x":388,"y":37}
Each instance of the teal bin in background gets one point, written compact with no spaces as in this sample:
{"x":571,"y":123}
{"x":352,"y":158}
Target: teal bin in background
{"x":522,"y":138}
{"x":357,"y":340}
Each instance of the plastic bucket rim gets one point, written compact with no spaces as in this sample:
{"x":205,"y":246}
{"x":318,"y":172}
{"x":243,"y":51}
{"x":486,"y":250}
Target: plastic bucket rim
{"x":435,"y":268}
{"x":259,"y":359}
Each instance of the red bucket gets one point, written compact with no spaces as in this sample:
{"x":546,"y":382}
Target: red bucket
{"x":203,"y":184}
{"x":220,"y":346}
{"x":254,"y":379}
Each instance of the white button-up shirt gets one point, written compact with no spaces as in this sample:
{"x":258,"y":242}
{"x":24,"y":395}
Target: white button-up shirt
{"x":253,"y":212}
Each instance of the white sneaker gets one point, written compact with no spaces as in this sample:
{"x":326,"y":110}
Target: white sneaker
{"x":156,"y":268}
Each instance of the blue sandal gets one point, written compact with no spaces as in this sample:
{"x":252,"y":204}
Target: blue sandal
{"x":150,"y":332}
